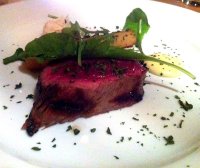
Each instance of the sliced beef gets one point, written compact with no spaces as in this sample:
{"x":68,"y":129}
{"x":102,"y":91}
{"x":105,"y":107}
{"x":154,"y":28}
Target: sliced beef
{"x":66,"y":91}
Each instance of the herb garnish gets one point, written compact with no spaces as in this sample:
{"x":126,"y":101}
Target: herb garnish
{"x":116,"y":157}
{"x":30,"y":96}
{"x":171,"y":114}
{"x":186,"y":106}
{"x":169,"y":140}
{"x":108,"y":131}
{"x":36,"y":148}
{"x":69,"y":128}
{"x":76,"y":131}
{"x":136,"y":119}
{"x":180,"y":124}
{"x":93,"y":130}
{"x":54,"y":146}
{"x":53,"y":139}
{"x":5,"y":107}
{"x":18,"y":86}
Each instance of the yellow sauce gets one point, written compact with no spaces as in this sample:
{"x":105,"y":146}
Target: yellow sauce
{"x":162,"y":69}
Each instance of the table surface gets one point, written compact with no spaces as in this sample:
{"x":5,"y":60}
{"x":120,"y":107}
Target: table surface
{"x":173,"y":2}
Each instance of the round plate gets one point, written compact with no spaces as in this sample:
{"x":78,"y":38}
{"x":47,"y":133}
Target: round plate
{"x":139,"y":133}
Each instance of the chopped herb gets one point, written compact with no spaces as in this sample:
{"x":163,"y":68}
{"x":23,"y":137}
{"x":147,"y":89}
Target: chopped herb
{"x":135,"y":119}
{"x":11,"y":72}
{"x":108,"y":131}
{"x":5,"y":107}
{"x":38,"y":143}
{"x":171,"y":114}
{"x":122,"y":123}
{"x":30,"y":96}
{"x":26,"y":115}
{"x":164,"y":118}
{"x":116,"y":157}
{"x":36,"y":148}
{"x":154,"y":115}
{"x":93,"y":130}
{"x":69,"y":128}
{"x":74,"y":143}
{"x":167,"y":97}
{"x":53,"y":139}
{"x":6,"y":85}
{"x":165,"y":126}
{"x":117,"y":27}
{"x":180,"y":124}
{"x":122,"y":139}
{"x":129,"y":138}
{"x":18,"y":102}
{"x":177,"y":97}
{"x":54,"y":146}
{"x":186,"y":106}
{"x":76,"y":131}
{"x":12,"y":96}
{"x":18,"y":86}
{"x":169,"y":140}
{"x":197,"y":84}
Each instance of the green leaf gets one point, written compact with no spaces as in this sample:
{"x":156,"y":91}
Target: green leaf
{"x":18,"y":55}
{"x":137,"y":22}
{"x":68,"y":44}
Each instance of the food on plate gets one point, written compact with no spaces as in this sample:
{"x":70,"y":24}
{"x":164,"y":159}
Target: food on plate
{"x":86,"y":72}
{"x":66,"y":91}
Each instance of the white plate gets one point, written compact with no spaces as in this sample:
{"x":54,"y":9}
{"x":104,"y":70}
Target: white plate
{"x":176,"y":27}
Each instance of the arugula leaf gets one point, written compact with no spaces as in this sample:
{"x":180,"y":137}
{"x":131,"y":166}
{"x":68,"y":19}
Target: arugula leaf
{"x":46,"y":48}
{"x":137,"y":22}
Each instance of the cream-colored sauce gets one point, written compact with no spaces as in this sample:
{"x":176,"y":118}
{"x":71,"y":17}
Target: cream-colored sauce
{"x":162,"y":69}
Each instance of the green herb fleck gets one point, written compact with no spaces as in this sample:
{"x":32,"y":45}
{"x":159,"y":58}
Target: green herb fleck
{"x":180,"y":124}
{"x":93,"y":130}
{"x":177,"y":97}
{"x":171,"y":114}
{"x":18,"y":86}
{"x":5,"y":107}
{"x":54,"y":146}
{"x":53,"y":139}
{"x":197,"y":84}
{"x":129,"y":138}
{"x":122,"y":139}
{"x":69,"y":128}
{"x":12,"y":96}
{"x":169,"y":140}
{"x":36,"y":148}
{"x":186,"y":106}
{"x":164,"y":118}
{"x":76,"y":131}
{"x":116,"y":157}
{"x":108,"y":131}
{"x":135,"y":119}
{"x":30,"y":96}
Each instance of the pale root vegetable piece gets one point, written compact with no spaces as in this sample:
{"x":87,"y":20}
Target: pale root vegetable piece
{"x":124,"y":39}
{"x":56,"y":25}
